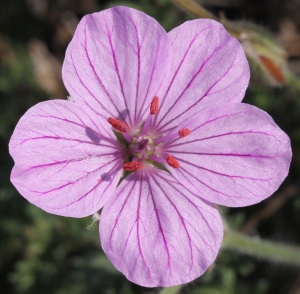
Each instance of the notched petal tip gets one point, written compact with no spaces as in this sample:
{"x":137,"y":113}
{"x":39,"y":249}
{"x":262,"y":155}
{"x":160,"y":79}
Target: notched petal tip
{"x":203,"y":53}
{"x":237,"y":155}
{"x":157,"y":233}
{"x":60,"y":154}
{"x":95,"y":70}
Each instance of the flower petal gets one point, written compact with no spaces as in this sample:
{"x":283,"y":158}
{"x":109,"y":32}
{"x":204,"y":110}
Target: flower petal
{"x":65,"y":163}
{"x":157,"y":233}
{"x":116,"y":62}
{"x":207,"y":67}
{"x":235,"y":155}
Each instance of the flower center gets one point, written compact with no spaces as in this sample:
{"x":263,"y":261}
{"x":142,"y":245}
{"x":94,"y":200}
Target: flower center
{"x":144,"y":148}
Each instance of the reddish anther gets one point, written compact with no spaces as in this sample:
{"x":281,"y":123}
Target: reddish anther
{"x":183,"y":133}
{"x":154,"y":105}
{"x":118,"y":125}
{"x":133,"y":165}
{"x":172,"y":161}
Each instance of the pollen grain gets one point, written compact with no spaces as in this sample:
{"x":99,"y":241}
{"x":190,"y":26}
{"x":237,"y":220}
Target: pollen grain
{"x":184,"y":132}
{"x":154,"y":106}
{"x":118,"y":125}
{"x":132,"y":166}
{"x":172,"y":161}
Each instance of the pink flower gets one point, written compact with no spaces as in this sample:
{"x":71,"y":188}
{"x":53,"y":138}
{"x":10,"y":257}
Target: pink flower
{"x":184,"y":141}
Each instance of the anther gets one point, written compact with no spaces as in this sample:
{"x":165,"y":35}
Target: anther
{"x":154,"y":106}
{"x":183,"y":133}
{"x":133,"y":165}
{"x":172,"y":161}
{"x":118,"y":125}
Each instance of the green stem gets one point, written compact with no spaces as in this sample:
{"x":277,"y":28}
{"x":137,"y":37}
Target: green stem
{"x":293,"y":81}
{"x":171,"y":290}
{"x":194,"y":9}
{"x":261,"y":248}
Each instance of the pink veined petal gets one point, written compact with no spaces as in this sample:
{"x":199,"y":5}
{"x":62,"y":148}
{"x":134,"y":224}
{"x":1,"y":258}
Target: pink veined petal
{"x":65,"y":161}
{"x":157,"y":233}
{"x":235,"y":155}
{"x":207,"y":67}
{"x":116,"y":62}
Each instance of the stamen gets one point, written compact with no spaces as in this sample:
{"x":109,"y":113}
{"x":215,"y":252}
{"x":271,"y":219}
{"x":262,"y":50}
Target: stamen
{"x":157,"y":159}
{"x":154,"y":106}
{"x":134,"y":151}
{"x":153,"y":111}
{"x":127,"y":137}
{"x":184,"y":132}
{"x":118,"y":125}
{"x":172,"y":161}
{"x":133,"y":165}
{"x":181,"y":133}
{"x":165,"y":138}
{"x":146,"y":125}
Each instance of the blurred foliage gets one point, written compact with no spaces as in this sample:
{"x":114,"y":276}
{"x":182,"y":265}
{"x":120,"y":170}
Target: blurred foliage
{"x":42,"y":253}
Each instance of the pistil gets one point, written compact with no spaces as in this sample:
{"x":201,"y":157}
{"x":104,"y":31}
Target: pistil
{"x":144,"y":146}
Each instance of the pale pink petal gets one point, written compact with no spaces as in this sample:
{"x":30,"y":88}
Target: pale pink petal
{"x":235,"y":155}
{"x":116,"y":62}
{"x":65,"y":161}
{"x":207,"y":67}
{"x":157,"y":233}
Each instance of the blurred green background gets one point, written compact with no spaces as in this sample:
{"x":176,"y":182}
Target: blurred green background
{"x":42,"y":253}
